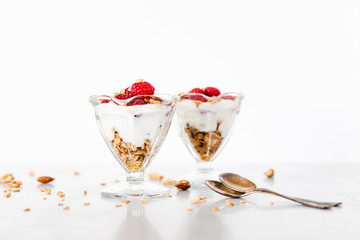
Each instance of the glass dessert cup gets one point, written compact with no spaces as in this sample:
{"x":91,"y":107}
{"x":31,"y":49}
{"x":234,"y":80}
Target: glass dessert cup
{"x":206,"y":124}
{"x":134,"y":135}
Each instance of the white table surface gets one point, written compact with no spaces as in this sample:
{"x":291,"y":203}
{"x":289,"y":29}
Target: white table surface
{"x":168,"y":218}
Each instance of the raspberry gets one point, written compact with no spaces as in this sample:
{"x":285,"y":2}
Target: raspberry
{"x":123,"y":96}
{"x":142,"y":88}
{"x":197,"y":90}
{"x":136,"y":101}
{"x":197,"y":97}
{"x":212,"y":92}
{"x":104,"y":100}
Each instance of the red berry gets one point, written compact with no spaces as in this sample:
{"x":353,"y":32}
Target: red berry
{"x":198,"y":98}
{"x":212,"y":92}
{"x":123,"y":96}
{"x":142,"y":88}
{"x":229,"y":97}
{"x":136,"y":101}
{"x":197,"y":90}
{"x":104,"y":100}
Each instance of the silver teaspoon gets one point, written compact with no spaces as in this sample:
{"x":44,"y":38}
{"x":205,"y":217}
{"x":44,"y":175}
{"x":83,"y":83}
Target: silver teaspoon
{"x":243,"y":185}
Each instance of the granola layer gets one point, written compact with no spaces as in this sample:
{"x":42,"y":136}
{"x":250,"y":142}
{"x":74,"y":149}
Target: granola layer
{"x":132,"y":156}
{"x":204,"y":143}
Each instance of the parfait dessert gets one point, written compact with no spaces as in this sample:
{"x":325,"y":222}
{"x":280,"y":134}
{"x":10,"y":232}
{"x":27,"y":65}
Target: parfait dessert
{"x":206,"y":119}
{"x":134,"y":124}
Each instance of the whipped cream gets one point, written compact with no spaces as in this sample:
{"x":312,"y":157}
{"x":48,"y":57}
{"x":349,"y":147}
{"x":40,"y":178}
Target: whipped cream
{"x":135,"y":123}
{"x":207,"y":116}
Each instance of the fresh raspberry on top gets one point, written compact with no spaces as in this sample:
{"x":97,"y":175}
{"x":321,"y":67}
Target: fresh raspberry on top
{"x":212,"y":92}
{"x":197,"y":90}
{"x":123,"y":96}
{"x":142,"y":88}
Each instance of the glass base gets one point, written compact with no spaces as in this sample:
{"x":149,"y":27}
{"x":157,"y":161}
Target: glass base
{"x":198,"y":178}
{"x":141,"y":190}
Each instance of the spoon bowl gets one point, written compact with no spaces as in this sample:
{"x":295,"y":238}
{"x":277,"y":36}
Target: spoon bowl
{"x":236,"y":182}
{"x":223,"y":190}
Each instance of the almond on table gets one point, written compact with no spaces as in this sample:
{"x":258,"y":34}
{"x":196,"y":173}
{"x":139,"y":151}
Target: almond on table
{"x":269,"y":173}
{"x":182,"y":185}
{"x":45,"y":179}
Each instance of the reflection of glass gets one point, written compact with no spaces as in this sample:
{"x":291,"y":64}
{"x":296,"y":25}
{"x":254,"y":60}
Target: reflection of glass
{"x":134,"y":134}
{"x":206,"y":124}
{"x":136,"y":226}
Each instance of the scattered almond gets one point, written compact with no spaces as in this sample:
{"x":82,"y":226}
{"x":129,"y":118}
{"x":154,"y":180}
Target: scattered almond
{"x":183,"y":185}
{"x":45,"y":179}
{"x":269,"y":173}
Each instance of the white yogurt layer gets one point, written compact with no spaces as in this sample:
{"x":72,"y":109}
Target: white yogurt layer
{"x":134,"y":124}
{"x":206,"y":116}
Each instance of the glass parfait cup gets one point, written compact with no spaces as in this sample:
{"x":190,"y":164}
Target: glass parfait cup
{"x":206,"y":124}
{"x":134,"y":135}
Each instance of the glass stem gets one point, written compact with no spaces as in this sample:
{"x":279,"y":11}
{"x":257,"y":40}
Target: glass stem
{"x":205,"y":166}
{"x":135,"y":177}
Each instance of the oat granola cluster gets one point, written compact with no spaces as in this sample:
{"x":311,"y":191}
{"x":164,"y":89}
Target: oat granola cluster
{"x":132,"y":156}
{"x":205,"y":143}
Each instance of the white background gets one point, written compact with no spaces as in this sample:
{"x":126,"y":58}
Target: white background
{"x":297,"y":62}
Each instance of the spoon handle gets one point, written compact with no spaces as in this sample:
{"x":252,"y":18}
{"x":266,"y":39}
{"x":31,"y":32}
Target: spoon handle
{"x":305,"y":202}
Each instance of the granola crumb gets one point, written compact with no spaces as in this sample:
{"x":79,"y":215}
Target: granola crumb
{"x":168,"y":182}
{"x":202,"y":198}
{"x":117,"y":180}
{"x":118,"y":205}
{"x":103,"y":184}
{"x":168,"y":196}
{"x":46,"y":190}
{"x":195,"y":201}
{"x":26,"y":209}
{"x":76,"y":173}
{"x":7,"y":195}
{"x":61,"y":194}
{"x":7,"y":178}
{"x":215,"y":209}
{"x":60,"y":204}
{"x":66,"y":208}
{"x":144,"y":201}
{"x":62,"y":200}
{"x":155,"y":176}
{"x":44,"y":198}
{"x":182,"y":185}
{"x":242,"y":202}
{"x":189,"y":209}
{"x":15,"y":184}
{"x":16,"y":190}
{"x":86,"y":204}
{"x":125,"y":201}
{"x":269,"y":173}
{"x":229,"y":202}
{"x":85,"y":192}
{"x":271,"y":203}
{"x":31,"y":173}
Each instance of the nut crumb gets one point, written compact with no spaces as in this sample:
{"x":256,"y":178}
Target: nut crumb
{"x":189,"y":209}
{"x":60,"y":204}
{"x":271,"y":203}
{"x":26,"y":209}
{"x":76,"y":173}
{"x":202,"y":198}
{"x":46,"y":190}
{"x":103,"y":184}
{"x":7,"y":195}
{"x":7,"y":178}
{"x":31,"y":173}
{"x":15,"y":184}
{"x":117,"y":180}
{"x":215,"y":209}
{"x":45,"y":179}
{"x":85,"y":192}
{"x":242,"y":202}
{"x":183,"y":185}
{"x":125,"y":201}
{"x":168,"y":195}
{"x":144,"y":201}
{"x":168,"y":182}
{"x":195,"y":201}
{"x":44,"y":198}
{"x":62,"y":200}
{"x":229,"y":202}
{"x":118,"y":205}
{"x":269,"y":173}
{"x":16,"y":190}
{"x":61,"y":194}
{"x":66,"y":208}
{"x":155,"y":176}
{"x":86,"y":204}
